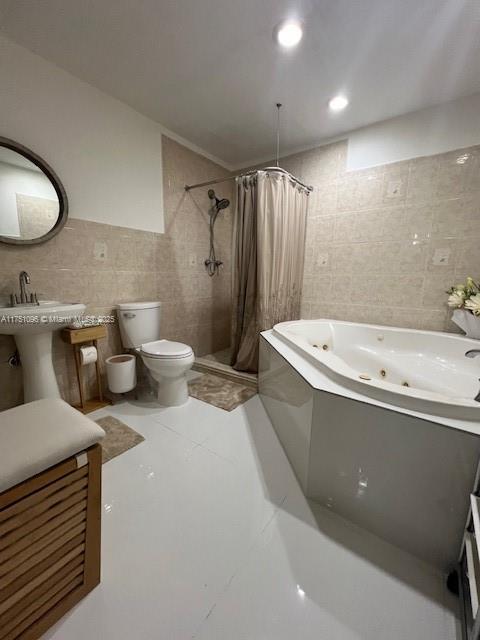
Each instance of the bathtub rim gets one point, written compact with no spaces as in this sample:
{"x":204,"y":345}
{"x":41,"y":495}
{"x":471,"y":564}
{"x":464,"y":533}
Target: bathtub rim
{"x":320,"y":381}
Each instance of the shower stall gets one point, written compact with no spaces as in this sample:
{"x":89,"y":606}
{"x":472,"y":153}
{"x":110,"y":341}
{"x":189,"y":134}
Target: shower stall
{"x":268,"y":249}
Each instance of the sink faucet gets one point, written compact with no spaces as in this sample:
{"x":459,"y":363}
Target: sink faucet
{"x":24,"y":279}
{"x":473,"y":353}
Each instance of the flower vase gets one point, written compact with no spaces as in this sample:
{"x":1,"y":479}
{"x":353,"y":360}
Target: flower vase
{"x":467,"y":322}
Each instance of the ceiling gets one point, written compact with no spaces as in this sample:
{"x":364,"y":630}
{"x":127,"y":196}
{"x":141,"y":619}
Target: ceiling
{"x":210,"y":71}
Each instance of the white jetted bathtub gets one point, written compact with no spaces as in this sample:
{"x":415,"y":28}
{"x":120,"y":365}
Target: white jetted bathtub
{"x":423,"y":371}
{"x":400,"y":461}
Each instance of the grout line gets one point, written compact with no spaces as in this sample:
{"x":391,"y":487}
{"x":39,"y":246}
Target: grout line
{"x":218,"y":455}
{"x":247,"y":554}
{"x":195,"y":442}
{"x":180,"y":435}
{"x":276,"y":510}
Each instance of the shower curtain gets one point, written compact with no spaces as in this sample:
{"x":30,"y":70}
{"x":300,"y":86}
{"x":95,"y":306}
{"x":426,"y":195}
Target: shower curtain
{"x":268,"y":256}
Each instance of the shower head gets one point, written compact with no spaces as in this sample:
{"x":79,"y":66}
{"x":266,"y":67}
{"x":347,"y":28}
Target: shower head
{"x":219,"y":204}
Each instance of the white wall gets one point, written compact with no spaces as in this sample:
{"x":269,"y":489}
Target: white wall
{"x":15,"y":180}
{"x":107,"y":155}
{"x":422,"y":133}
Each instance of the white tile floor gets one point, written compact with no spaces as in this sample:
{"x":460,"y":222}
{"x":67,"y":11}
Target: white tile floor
{"x":207,"y":535}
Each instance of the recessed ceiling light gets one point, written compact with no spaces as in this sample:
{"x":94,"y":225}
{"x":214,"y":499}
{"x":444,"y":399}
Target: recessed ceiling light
{"x":338,"y":103}
{"x":289,"y":33}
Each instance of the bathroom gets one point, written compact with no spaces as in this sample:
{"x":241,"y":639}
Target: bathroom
{"x":316,"y":477}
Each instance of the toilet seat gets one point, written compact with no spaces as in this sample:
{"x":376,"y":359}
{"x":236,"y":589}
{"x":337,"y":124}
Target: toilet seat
{"x":166,"y":350}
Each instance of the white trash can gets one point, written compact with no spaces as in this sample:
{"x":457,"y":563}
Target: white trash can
{"x":121,"y":374}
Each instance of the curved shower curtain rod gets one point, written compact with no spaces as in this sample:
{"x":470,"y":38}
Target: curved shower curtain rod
{"x":188,"y":187}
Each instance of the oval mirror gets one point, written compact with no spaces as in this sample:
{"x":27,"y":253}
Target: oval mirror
{"x":33,"y":202}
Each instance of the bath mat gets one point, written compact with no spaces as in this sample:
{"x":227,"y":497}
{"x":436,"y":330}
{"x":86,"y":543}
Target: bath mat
{"x":220,"y":392}
{"x":118,"y":439}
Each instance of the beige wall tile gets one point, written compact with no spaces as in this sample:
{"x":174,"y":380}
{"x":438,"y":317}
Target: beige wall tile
{"x":402,"y":235}
{"x":321,"y":228}
{"x":468,"y":257}
{"x":457,"y":218}
{"x":320,"y":259}
{"x":317,"y":287}
{"x":442,"y":255}
{"x":323,"y":200}
{"x":360,"y":190}
{"x":416,"y":223}
{"x":395,"y":181}
{"x":423,"y":180}
{"x":435,"y":289}
{"x":12,"y":387}
{"x":306,"y":309}
{"x":453,"y":171}
{"x":472,"y":182}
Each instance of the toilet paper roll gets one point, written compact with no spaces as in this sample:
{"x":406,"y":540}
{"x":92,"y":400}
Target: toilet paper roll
{"x":88,"y":355}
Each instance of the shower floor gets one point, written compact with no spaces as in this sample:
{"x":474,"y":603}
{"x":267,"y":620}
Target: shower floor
{"x":219,"y":357}
{"x":218,"y":363}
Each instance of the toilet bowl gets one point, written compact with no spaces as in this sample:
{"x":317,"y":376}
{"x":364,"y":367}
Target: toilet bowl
{"x":167,"y":362}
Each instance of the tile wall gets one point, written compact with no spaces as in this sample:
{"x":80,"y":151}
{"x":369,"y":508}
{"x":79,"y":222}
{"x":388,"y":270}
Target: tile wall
{"x":384,"y":244}
{"x":102,"y":264}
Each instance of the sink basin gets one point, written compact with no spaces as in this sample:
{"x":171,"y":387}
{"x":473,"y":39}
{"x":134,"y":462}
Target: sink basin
{"x":32,"y":327}
{"x":44,"y":317}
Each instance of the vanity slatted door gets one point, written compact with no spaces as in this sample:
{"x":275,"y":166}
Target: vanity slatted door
{"x":49,"y":545}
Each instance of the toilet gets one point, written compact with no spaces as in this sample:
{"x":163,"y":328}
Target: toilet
{"x":167,"y":361}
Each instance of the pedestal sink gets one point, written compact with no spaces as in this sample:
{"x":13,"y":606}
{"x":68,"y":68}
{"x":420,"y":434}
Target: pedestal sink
{"x":32,"y":326}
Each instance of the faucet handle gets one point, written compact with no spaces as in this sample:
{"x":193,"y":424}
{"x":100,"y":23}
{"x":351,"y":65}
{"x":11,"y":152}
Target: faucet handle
{"x":15,"y":300}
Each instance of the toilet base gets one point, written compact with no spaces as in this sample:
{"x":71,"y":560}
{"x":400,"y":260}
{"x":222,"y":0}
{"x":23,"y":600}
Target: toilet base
{"x":171,"y":378}
{"x":172,"y":392}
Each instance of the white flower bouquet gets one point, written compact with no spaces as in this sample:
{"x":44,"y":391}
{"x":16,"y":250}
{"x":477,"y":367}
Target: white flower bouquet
{"x":465,"y":300}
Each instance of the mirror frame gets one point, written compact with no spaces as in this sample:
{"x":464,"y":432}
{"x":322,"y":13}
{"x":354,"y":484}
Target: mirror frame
{"x":57,"y":185}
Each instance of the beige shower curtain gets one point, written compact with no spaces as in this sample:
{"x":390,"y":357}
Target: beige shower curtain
{"x":268,"y":256}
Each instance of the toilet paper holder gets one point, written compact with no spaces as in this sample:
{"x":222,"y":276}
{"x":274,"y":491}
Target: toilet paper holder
{"x":79,"y":339}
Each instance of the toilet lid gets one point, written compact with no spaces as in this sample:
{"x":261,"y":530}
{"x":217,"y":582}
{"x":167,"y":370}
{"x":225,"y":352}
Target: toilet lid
{"x":166,"y":349}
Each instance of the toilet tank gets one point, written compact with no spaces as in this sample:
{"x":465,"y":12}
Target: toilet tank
{"x":139,"y":322}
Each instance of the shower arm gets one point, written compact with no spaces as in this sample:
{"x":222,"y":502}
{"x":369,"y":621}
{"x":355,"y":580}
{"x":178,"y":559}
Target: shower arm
{"x":189,"y":187}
